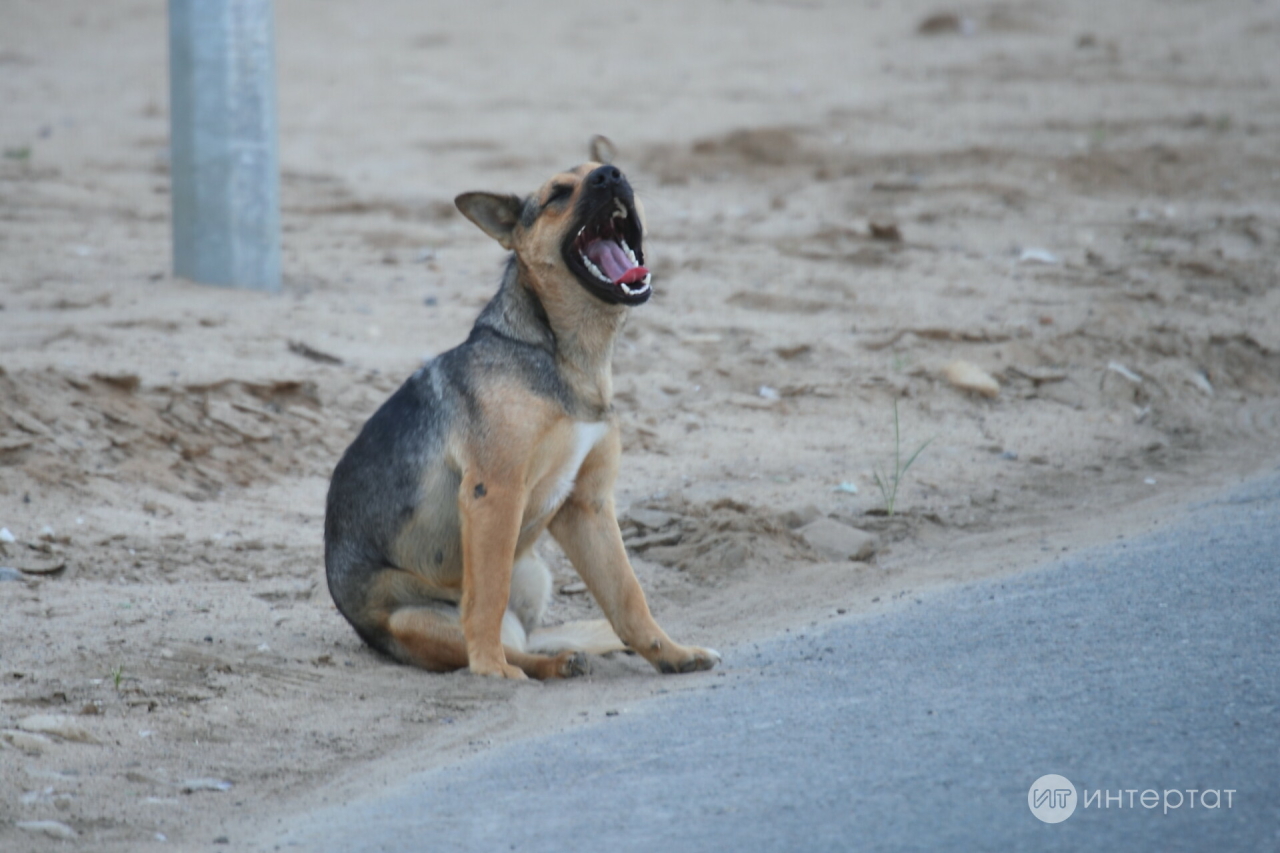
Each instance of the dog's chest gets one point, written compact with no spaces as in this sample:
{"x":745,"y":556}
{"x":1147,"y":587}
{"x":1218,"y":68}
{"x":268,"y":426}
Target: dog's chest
{"x":559,"y":482}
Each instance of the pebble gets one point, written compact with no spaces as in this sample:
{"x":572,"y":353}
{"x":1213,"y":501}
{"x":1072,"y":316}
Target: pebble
{"x":650,"y":519}
{"x":575,"y":588}
{"x":32,"y":744}
{"x":1038,"y":256}
{"x":190,"y":786}
{"x":799,"y":517}
{"x":1117,"y":367}
{"x":967,"y":376}
{"x":6,"y":536}
{"x":837,"y":541}
{"x":9,"y":573}
{"x":847,"y":488}
{"x":52,"y":724}
{"x":51,"y":828}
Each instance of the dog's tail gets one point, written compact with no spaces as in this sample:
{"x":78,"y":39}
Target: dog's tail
{"x":594,"y":636}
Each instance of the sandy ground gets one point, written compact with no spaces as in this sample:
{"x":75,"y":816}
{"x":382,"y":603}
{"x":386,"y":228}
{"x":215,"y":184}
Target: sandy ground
{"x":1082,"y":199}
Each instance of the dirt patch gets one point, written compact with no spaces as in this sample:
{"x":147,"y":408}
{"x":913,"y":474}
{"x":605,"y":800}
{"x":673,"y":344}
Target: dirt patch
{"x":64,"y":430}
{"x":709,"y":542}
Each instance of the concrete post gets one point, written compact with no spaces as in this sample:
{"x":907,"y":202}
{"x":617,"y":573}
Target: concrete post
{"x":225,"y":181}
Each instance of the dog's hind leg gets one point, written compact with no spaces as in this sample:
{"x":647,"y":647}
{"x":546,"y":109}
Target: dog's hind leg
{"x":432,"y":638}
{"x":530,"y":595}
{"x":530,"y":591}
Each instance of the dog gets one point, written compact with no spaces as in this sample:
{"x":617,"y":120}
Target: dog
{"x":434,"y":509}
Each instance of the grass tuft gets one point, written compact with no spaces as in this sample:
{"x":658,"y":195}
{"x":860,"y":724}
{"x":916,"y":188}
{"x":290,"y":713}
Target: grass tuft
{"x":888,"y":483}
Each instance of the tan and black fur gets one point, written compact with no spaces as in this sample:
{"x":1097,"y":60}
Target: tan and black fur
{"x":433,"y":511}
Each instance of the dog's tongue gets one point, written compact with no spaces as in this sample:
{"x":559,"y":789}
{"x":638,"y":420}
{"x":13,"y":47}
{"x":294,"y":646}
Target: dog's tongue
{"x":613,"y":262}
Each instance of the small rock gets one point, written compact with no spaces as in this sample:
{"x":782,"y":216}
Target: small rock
{"x":52,"y":724}
{"x":768,"y":393}
{"x":846,"y":488}
{"x":1038,"y":375}
{"x":967,"y":376}
{"x":128,"y":382}
{"x":39,"y":563}
{"x":6,"y":536}
{"x":747,"y":401}
{"x":1202,"y":382}
{"x":650,"y":519}
{"x":51,"y":828}
{"x":940,"y":23}
{"x":32,"y":744}
{"x":574,"y":588}
{"x":837,"y":541}
{"x":9,"y":573}
{"x":665,"y":537}
{"x":1117,"y":367}
{"x":190,"y":786}
{"x":797,"y":518}
{"x":1038,"y":256}
{"x":793,"y":351}
{"x":887,"y":231}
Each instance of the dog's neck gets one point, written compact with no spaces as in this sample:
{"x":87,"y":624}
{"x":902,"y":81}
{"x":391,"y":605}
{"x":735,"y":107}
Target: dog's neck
{"x":577,"y":328}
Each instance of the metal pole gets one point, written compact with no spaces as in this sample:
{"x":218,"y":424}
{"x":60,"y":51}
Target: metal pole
{"x":222,"y":136}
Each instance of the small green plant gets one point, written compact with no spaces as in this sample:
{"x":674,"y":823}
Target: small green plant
{"x":117,"y":675}
{"x":888,"y":482}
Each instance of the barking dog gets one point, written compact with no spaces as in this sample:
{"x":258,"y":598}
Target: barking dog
{"x":434,"y":509}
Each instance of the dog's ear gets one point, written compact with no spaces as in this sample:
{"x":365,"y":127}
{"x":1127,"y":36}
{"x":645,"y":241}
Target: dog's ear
{"x":602,"y":150}
{"x":497,"y":215}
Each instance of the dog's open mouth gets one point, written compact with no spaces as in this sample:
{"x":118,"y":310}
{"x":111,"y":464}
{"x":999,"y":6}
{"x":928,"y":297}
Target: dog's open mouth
{"x":606,"y":255}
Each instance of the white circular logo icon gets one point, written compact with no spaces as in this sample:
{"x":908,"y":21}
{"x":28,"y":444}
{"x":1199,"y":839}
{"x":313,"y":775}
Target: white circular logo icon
{"x":1052,"y":798}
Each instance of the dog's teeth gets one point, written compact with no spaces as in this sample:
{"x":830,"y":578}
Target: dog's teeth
{"x":645,"y":280}
{"x":594,"y":270}
{"x":621,"y":209}
{"x":627,"y":249}
{"x":626,"y":289}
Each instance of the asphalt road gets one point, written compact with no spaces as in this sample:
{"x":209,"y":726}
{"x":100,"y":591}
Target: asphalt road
{"x":1150,"y":665}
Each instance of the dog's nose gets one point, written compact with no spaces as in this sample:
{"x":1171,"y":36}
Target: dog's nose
{"x":605,"y":178}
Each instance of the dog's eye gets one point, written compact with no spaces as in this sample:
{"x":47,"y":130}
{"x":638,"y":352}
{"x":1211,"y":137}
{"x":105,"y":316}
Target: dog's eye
{"x":559,"y":192}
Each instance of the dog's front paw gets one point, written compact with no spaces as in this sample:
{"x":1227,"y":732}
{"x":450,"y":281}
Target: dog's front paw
{"x":686,"y":659}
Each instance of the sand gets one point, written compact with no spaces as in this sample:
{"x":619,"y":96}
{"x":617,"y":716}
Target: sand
{"x":1078,"y":201}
